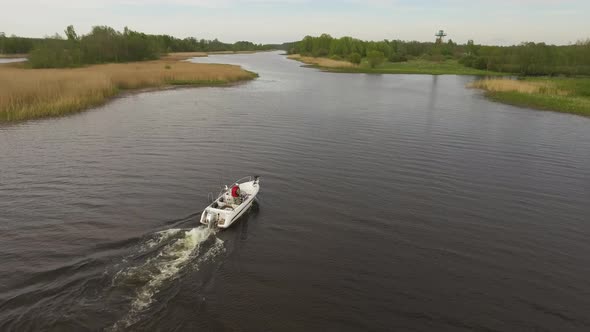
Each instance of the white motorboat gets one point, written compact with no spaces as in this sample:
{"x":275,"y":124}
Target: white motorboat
{"x":232,"y":202}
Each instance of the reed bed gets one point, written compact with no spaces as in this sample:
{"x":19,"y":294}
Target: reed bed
{"x":35,"y":93}
{"x":569,"y":95}
{"x":179,"y":56}
{"x":510,"y":85}
{"x":322,"y":62}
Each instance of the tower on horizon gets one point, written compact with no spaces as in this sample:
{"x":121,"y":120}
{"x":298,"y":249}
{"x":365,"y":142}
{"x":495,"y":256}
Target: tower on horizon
{"x":439,"y":36}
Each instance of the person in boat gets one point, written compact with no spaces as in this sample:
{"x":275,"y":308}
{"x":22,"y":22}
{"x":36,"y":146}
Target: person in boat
{"x":235,"y":194}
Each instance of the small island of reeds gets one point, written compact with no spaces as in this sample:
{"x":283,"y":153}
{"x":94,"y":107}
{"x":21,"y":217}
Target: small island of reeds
{"x":64,"y":76}
{"x":36,"y":93}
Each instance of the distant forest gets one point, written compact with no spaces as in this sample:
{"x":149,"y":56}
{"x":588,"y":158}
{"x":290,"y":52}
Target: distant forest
{"x":105,"y":44}
{"x":524,"y":59}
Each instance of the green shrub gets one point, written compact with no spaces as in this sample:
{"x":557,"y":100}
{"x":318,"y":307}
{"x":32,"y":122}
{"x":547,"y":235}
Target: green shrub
{"x":375,"y":58}
{"x":480,"y":63}
{"x":355,"y":58}
{"x":467,"y":60}
{"x":398,"y":58}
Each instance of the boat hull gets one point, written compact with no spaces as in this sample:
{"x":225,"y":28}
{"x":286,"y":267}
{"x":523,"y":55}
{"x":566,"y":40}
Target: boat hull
{"x":222,"y":214}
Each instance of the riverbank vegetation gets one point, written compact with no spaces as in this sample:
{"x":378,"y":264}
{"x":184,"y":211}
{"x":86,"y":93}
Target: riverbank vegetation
{"x":419,"y":66}
{"x":554,"y":77}
{"x":525,"y":59}
{"x":322,"y":62}
{"x":570,"y":95}
{"x":531,"y":59}
{"x":68,"y":75}
{"x":104,"y":45}
{"x":179,"y":56}
{"x":16,"y":45}
{"x":36,"y":93}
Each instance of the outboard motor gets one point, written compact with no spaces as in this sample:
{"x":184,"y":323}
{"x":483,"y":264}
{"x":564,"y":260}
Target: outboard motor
{"x":211,"y":219}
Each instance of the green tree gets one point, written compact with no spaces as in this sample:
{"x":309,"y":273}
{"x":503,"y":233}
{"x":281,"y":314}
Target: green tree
{"x":526,"y":58}
{"x":355,"y":58}
{"x":472,"y":49}
{"x":375,"y":58}
{"x":71,"y":33}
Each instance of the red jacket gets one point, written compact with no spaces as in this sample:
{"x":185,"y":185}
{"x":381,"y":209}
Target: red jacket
{"x":235,"y":191}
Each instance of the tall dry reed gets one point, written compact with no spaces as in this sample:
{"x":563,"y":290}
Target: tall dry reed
{"x":177,"y":56}
{"x":322,"y":62}
{"x":34,"y":93}
{"x":510,"y":85}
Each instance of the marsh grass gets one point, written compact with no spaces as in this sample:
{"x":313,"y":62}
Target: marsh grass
{"x":178,"y":56}
{"x":570,"y":95}
{"x":322,"y":62}
{"x":530,"y":87}
{"x":424,"y":67}
{"x":35,"y":93}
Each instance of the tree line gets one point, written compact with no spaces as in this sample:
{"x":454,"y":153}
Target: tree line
{"x":393,"y":50}
{"x":16,"y":45}
{"x":532,"y":59}
{"x":523,"y":59}
{"x":104,"y":44}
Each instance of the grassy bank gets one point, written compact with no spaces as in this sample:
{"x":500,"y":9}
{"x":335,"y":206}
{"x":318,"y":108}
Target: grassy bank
{"x":447,"y":67}
{"x":569,"y":95}
{"x":425,"y":67}
{"x":36,"y":93}
{"x":179,"y":56}
{"x":323,"y":63}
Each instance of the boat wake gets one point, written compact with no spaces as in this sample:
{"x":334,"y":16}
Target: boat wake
{"x":169,"y":252}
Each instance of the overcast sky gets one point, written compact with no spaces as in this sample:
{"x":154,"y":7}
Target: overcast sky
{"x":274,"y":21}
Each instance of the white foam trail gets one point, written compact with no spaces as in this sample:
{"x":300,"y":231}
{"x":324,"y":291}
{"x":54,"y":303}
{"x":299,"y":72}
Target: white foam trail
{"x":166,"y":265}
{"x":215,"y":250}
{"x":161,"y":237}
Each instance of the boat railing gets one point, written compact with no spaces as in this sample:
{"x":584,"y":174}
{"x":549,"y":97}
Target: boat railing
{"x":226,"y":188}
{"x":246,"y":179}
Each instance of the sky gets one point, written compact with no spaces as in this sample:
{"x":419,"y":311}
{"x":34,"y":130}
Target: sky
{"x":502,"y":22}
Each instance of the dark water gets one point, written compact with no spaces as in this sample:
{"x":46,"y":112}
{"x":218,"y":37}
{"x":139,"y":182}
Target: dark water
{"x":388,"y":203}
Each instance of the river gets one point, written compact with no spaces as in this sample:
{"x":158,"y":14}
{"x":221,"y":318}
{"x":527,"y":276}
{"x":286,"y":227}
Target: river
{"x":388,"y":202}
{"x":11,"y":60}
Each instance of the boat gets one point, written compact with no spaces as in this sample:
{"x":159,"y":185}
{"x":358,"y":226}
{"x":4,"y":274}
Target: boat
{"x":231,"y":203}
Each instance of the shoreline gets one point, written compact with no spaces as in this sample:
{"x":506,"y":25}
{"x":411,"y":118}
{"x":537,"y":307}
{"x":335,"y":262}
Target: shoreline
{"x":564,"y":95}
{"x":411,"y":67}
{"x":180,"y":56}
{"x":408,"y":72}
{"x":46,"y":93}
{"x":221,"y":84}
{"x":168,"y":56}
